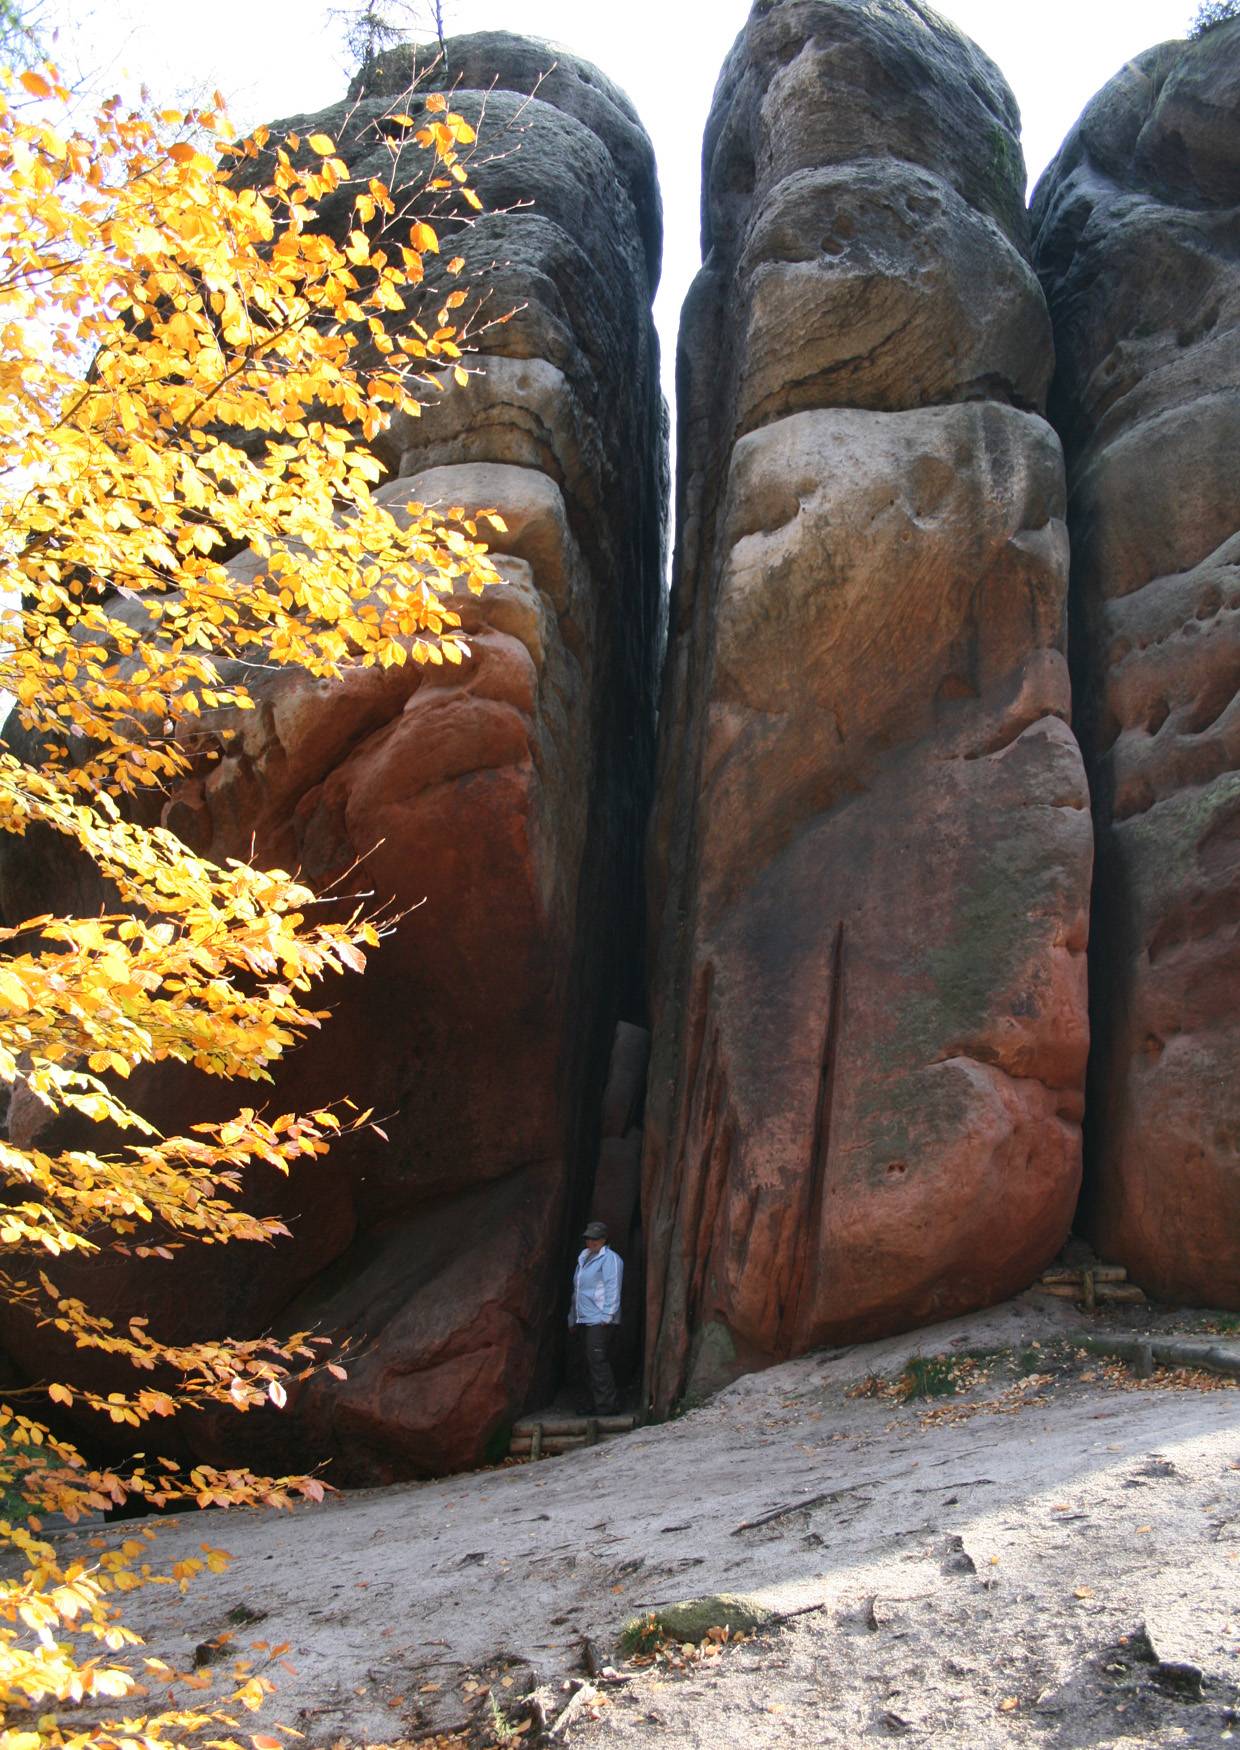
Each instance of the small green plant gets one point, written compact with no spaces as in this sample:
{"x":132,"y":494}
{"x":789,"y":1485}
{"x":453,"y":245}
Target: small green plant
{"x":931,"y":1376}
{"x":1212,"y":13}
{"x":643,"y":1635}
{"x":500,"y":1726}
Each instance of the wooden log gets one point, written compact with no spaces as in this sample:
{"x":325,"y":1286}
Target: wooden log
{"x":1126,"y":1292}
{"x":576,"y":1425}
{"x":1101,"y":1273}
{"x":525,"y":1448}
{"x":553,"y":1449}
{"x":1174,"y":1352}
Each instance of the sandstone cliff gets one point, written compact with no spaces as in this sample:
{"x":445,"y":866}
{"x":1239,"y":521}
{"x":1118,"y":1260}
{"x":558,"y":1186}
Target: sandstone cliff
{"x":872,"y":848}
{"x":1138,"y":244}
{"x":870,"y":854}
{"x":505,"y":801}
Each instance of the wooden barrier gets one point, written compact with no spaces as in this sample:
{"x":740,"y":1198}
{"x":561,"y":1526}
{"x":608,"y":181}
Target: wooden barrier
{"x":576,"y":1424}
{"x":1090,"y":1284}
{"x":556,"y":1434}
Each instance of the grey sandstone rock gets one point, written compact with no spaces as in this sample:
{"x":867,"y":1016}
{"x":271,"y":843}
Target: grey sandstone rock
{"x":871,"y":847}
{"x":1138,"y":245}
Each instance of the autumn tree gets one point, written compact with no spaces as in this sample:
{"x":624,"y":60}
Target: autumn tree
{"x":188,"y":367}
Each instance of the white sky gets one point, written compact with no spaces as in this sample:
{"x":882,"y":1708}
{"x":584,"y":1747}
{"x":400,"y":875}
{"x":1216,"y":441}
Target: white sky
{"x":275,"y":57}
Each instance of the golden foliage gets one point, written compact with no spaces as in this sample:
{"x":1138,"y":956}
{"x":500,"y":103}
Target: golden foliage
{"x":188,"y":367}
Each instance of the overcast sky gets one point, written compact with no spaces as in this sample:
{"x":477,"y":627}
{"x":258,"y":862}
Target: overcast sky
{"x":272,"y":58}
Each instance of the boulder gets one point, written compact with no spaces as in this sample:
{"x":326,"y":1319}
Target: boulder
{"x":1138,"y":245}
{"x":499,"y":805}
{"x":871,"y":849}
{"x":692,"y":1620}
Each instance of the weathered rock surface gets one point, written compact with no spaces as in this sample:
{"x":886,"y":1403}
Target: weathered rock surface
{"x":1137,"y":228}
{"x":505,"y":801}
{"x":871,"y":853}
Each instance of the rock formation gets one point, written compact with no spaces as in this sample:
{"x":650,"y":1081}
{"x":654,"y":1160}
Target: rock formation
{"x":871,"y":852}
{"x":1138,"y":244}
{"x":505,"y":801}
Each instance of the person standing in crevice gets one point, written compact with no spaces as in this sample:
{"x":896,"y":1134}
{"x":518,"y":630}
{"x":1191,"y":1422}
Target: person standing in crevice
{"x":594,"y":1313}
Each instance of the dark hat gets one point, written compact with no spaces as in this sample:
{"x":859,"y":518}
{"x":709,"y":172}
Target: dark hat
{"x":595,"y":1230}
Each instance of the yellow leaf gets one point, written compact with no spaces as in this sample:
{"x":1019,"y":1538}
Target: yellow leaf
{"x":13,"y":990}
{"x":36,"y":84}
{"x":322,"y":144}
{"x":252,"y":1695}
{"x":423,"y":238}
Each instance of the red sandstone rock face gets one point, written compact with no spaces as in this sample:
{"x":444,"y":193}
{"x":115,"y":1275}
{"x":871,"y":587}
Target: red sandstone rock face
{"x":1137,"y":246}
{"x":501,"y":803}
{"x":872,"y":846}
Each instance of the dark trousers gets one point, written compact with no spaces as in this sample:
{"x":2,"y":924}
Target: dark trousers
{"x":596,"y":1342}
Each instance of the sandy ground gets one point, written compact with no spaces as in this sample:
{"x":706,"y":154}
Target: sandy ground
{"x":981,"y":1567}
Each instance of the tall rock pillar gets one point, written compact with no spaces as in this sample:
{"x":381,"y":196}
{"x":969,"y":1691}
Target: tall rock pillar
{"x":501,"y":805}
{"x":1137,"y":227}
{"x":871,"y":854}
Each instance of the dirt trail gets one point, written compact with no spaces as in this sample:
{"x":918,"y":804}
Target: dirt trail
{"x":1010,"y":1549}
